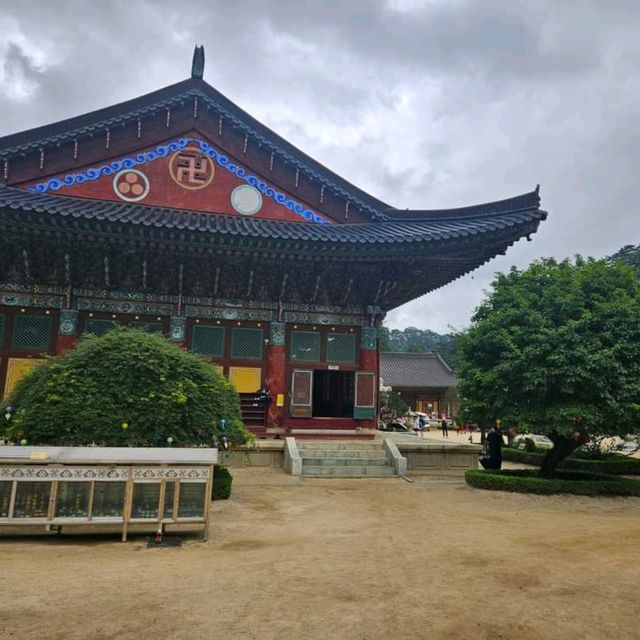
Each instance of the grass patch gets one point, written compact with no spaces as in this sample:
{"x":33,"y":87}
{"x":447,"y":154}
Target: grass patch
{"x":575,"y":482}
{"x":613,"y":465}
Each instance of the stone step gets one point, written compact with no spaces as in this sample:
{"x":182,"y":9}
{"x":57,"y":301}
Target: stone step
{"x":343,"y":471}
{"x":340,"y":446}
{"x":346,"y":462}
{"x":341,"y":453}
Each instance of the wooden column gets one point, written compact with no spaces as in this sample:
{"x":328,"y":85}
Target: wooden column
{"x":369,"y":362}
{"x":275,"y":377}
{"x":178,"y":331}
{"x":67,"y":335}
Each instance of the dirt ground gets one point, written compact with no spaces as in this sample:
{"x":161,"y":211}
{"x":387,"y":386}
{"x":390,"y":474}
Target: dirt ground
{"x":344,"y":559}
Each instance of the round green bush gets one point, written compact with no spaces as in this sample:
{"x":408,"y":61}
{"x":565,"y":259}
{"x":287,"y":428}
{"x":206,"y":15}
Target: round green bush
{"x":575,"y":482}
{"x":222,"y":480}
{"x":126,"y":388}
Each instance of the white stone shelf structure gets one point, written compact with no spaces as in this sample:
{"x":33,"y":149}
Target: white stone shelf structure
{"x":98,"y":486}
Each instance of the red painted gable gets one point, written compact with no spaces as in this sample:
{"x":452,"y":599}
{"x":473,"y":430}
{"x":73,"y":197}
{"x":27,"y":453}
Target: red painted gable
{"x":186,"y":173}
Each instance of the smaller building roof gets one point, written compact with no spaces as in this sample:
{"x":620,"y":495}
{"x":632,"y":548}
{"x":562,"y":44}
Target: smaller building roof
{"x":416,"y":370}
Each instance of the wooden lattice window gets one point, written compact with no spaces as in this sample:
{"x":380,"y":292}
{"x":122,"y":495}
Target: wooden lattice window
{"x":246,"y":344}
{"x":149,"y":327}
{"x":208,"y":341}
{"x":341,"y":347}
{"x":305,"y":346}
{"x":31,"y":332}
{"x":99,"y":327}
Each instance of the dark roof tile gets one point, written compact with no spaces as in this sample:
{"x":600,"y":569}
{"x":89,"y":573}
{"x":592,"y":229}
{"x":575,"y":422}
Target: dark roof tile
{"x":416,"y":370}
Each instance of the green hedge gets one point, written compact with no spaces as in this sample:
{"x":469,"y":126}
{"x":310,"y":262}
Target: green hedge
{"x":615,"y":465}
{"x":575,"y":482}
{"x":222,"y":480}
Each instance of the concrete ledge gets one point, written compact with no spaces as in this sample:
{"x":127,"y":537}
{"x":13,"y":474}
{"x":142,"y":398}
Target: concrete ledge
{"x":266,"y":454}
{"x":424,"y":458}
{"x":394,"y":455}
{"x":292,"y":460}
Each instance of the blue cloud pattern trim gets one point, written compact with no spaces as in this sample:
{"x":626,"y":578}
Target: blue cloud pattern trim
{"x":162,"y":151}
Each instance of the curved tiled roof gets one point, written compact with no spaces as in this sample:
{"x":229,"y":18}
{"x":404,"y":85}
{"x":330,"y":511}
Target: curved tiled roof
{"x":423,"y":227}
{"x":176,"y":94}
{"x":416,"y":370}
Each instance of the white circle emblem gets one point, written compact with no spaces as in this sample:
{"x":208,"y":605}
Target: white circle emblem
{"x":246,"y":200}
{"x":131,"y":185}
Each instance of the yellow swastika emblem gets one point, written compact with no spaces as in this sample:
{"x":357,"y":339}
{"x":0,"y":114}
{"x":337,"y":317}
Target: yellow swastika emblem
{"x":191,"y":169}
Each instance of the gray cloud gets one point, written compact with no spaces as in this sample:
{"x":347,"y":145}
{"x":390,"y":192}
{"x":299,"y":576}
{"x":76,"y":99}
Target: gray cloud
{"x":424,"y":104}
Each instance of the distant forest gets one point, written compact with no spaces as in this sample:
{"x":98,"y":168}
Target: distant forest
{"x":412,"y":340}
{"x":630,"y":255}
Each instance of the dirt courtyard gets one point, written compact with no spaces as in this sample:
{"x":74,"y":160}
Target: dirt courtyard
{"x":344,"y":559}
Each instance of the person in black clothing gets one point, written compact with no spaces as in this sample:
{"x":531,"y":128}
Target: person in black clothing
{"x":445,"y":427}
{"x":494,"y":445}
{"x":264,"y":397}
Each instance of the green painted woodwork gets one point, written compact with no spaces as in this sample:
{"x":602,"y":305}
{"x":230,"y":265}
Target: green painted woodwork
{"x":149,"y":327}
{"x":363,"y":413}
{"x":99,"y":327}
{"x":31,"y":332}
{"x":208,"y":340}
{"x":341,"y":347}
{"x":304,"y":346}
{"x":247,"y":343}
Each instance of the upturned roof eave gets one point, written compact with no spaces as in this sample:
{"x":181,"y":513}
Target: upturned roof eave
{"x":339,"y":236}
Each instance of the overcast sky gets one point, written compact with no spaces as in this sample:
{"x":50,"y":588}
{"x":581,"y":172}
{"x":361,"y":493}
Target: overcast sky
{"x":422,"y":103}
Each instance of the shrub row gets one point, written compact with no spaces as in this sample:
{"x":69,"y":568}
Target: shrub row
{"x":222,"y":480}
{"x":615,"y":465}
{"x":574,"y":482}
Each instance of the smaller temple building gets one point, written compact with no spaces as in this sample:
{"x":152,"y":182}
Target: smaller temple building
{"x":425,"y":382}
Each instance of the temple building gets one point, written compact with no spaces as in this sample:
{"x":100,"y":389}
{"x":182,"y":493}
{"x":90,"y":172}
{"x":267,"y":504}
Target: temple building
{"x":424,"y":382}
{"x":178,"y":212}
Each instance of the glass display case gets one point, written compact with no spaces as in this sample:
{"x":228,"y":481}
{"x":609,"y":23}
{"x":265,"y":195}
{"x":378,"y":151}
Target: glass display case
{"x":190,"y":499}
{"x":6,"y":488}
{"x":32,"y":500}
{"x":108,"y":499}
{"x":72,"y":499}
{"x":63,"y":486}
{"x":146,"y":500}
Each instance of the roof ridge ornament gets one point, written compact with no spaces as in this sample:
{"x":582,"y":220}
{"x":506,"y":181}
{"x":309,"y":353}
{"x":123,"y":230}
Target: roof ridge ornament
{"x":197,"y":66}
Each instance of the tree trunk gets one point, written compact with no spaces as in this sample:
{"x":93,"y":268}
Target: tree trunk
{"x":563,"y":446}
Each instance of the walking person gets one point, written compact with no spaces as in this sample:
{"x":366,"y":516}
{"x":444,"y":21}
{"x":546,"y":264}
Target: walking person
{"x":445,"y":427}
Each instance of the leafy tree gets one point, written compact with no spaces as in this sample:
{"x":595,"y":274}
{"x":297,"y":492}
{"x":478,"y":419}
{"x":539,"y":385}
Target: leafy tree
{"x":392,"y":405}
{"x":384,"y":343}
{"x":555,"y":349}
{"x":124,"y":388}
{"x":629,"y":255}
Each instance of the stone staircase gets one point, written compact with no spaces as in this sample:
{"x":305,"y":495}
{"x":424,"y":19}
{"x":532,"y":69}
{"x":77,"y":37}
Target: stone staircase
{"x":333,"y":459}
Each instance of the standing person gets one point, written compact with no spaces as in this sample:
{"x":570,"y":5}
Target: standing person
{"x":445,"y":427}
{"x":494,"y":444}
